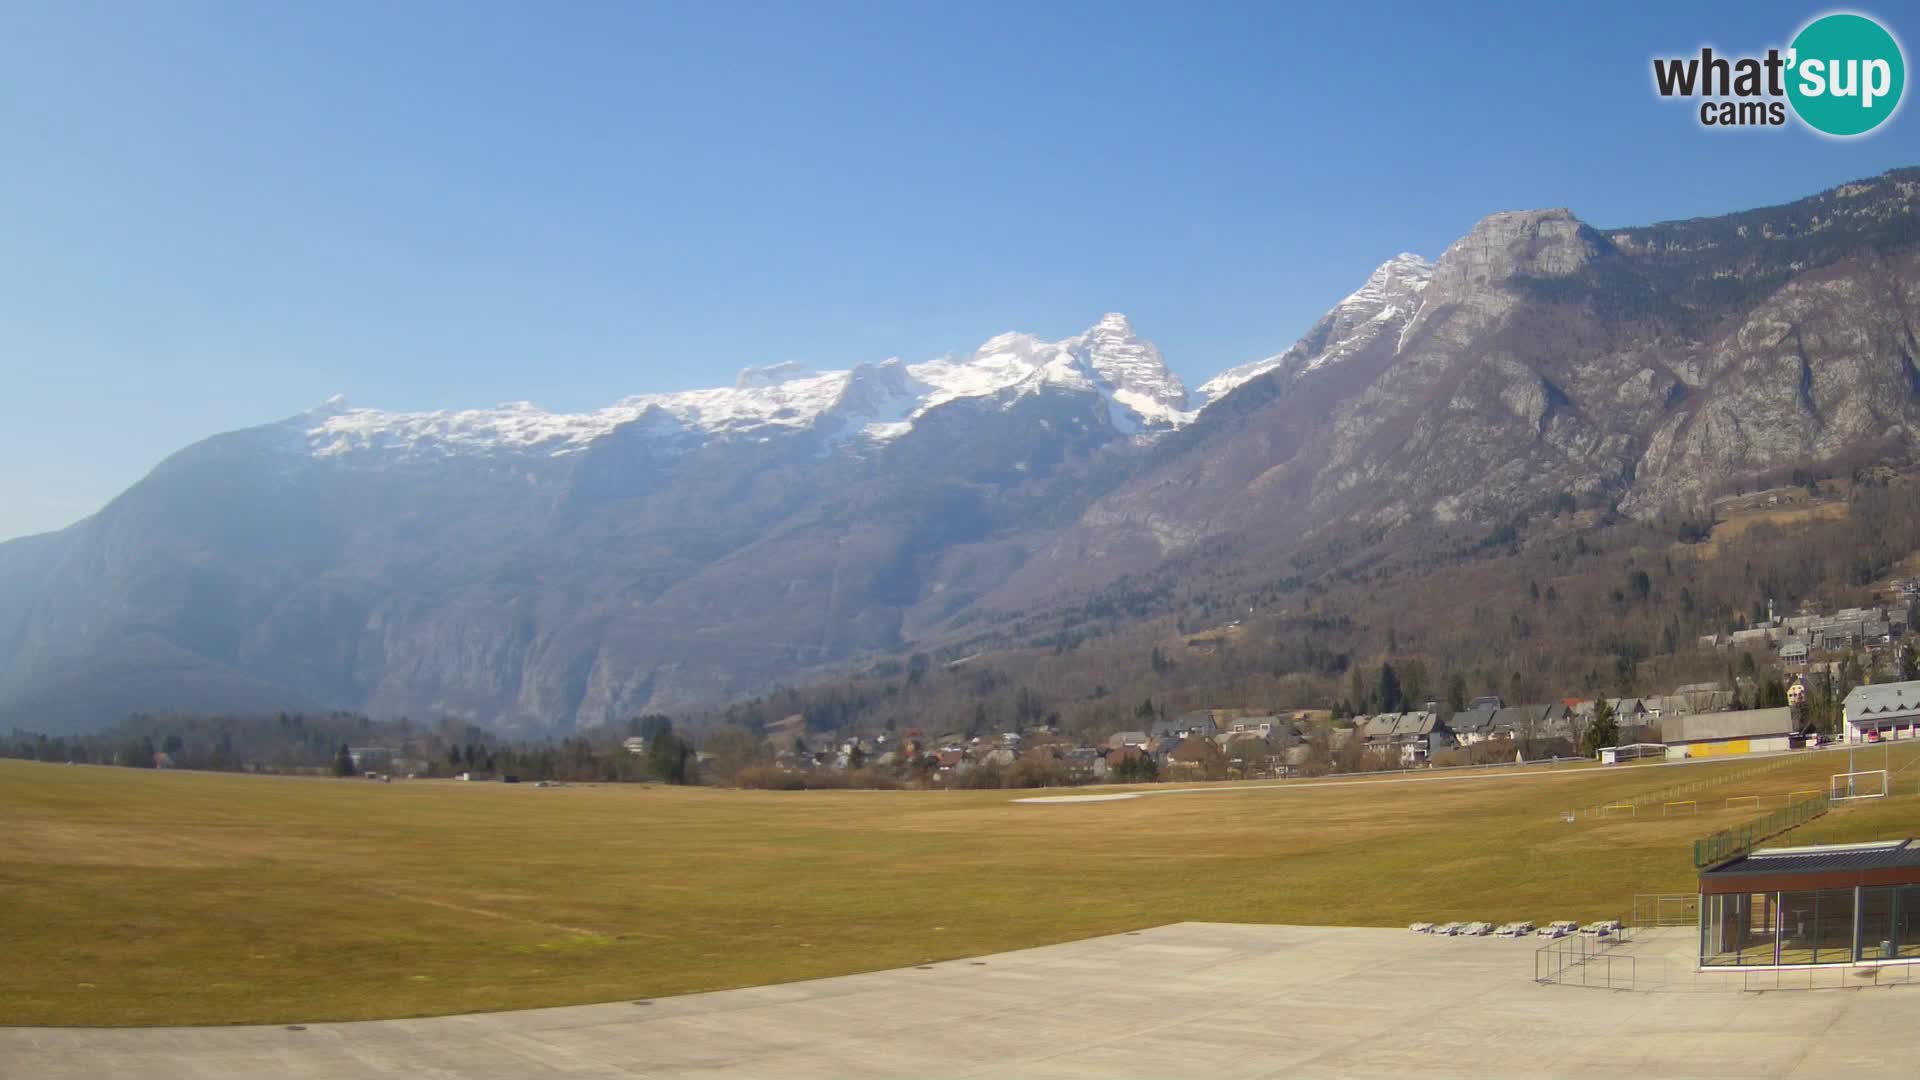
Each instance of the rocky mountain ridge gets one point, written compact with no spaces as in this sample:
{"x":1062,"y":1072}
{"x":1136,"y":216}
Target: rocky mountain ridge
{"x":550,"y":571}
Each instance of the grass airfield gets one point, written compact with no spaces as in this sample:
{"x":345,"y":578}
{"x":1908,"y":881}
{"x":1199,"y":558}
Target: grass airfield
{"x":146,"y":898}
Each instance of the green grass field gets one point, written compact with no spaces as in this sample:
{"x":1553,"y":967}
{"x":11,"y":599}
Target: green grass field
{"x":135,"y":897}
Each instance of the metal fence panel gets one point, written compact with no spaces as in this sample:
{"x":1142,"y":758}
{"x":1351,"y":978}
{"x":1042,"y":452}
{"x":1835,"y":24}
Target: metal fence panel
{"x":1731,"y":843}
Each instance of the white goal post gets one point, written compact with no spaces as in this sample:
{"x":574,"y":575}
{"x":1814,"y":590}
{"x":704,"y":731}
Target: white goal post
{"x":1744,"y":800}
{"x":1865,"y":784}
{"x":1614,"y":755}
{"x":1679,"y":806}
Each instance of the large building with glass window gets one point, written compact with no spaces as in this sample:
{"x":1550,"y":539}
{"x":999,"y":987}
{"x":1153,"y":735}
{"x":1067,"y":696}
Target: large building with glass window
{"x":1800,"y":906}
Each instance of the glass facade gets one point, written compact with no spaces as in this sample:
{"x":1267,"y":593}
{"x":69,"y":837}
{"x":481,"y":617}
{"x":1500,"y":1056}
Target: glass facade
{"x":1738,"y":929}
{"x":1819,"y":926}
{"x":1877,"y":941}
{"x":1906,"y":922}
{"x":1816,"y":927}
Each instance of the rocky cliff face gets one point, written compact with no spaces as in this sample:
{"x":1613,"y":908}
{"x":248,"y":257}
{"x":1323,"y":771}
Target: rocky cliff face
{"x":1646,"y":369}
{"x":547,"y":571}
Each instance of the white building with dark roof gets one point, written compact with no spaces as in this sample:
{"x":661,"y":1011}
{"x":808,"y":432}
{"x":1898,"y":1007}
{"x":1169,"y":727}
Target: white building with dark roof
{"x":1877,"y":713}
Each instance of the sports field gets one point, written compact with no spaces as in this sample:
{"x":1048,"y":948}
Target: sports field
{"x":136,"y":897}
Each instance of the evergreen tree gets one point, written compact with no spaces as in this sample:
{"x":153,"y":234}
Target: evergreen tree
{"x":1414,"y":683}
{"x":668,"y":757}
{"x":1773,"y":694}
{"x":343,"y":762}
{"x":1603,"y":729}
{"x":1387,"y":695}
{"x":1823,"y":703}
{"x":138,"y":753}
{"x":1456,"y":694}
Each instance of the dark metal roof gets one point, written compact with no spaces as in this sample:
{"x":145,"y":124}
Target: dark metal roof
{"x":1844,"y":858}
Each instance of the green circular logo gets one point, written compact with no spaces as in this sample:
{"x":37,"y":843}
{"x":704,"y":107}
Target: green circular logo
{"x":1845,"y":74}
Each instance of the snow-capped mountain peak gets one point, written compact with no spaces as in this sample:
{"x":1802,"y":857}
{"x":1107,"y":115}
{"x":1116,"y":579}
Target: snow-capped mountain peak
{"x":872,"y":403}
{"x":866,"y":403}
{"x":1390,"y":297}
{"x":1135,"y":374}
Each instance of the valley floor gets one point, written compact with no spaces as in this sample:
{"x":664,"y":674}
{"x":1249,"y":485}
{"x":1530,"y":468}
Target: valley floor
{"x":142,"y":898}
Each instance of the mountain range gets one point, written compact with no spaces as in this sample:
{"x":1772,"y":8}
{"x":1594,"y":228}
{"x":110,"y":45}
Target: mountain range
{"x":547,"y":571}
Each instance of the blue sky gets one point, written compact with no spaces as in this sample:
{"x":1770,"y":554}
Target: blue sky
{"x":215,"y":215}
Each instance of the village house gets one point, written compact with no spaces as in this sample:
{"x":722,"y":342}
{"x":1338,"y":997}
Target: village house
{"x":1199,"y":722}
{"x":952,"y":764}
{"x":1086,"y":761}
{"x":1249,"y":754}
{"x":1630,"y":711}
{"x":1472,"y":726}
{"x":1162,"y":749}
{"x":1689,"y":699}
{"x":1199,"y":759}
{"x":1849,"y":629}
{"x":1376,"y":730}
{"x":1271,"y":728}
{"x":1545,"y":729}
{"x":1418,"y":735}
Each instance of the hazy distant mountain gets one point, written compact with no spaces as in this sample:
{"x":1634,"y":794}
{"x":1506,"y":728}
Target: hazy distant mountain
{"x":551,"y":570}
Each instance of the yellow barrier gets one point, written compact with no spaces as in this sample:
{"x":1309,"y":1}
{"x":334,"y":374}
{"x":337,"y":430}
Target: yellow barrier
{"x":1721,"y":749}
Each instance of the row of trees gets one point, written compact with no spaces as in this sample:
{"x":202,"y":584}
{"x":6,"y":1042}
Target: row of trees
{"x":323,"y":744}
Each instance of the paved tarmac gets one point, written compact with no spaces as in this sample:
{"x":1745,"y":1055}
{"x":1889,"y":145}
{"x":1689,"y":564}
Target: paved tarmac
{"x":1191,"y":999}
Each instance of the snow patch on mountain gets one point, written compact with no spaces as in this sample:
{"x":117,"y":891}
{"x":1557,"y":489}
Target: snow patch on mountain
{"x":874,"y":403}
{"x":1389,"y":298}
